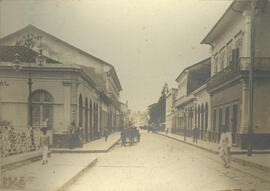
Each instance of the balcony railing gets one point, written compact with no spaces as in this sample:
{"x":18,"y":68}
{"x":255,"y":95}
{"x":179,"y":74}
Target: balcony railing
{"x":241,"y":67}
{"x":221,"y":77}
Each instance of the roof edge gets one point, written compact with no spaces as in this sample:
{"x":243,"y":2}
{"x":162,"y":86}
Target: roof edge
{"x":204,"y":41}
{"x":30,"y":26}
{"x":196,"y":64}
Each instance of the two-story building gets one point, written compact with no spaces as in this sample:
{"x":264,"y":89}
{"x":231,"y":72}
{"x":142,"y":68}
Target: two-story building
{"x":229,"y":85}
{"x":73,"y":88}
{"x":192,"y":100}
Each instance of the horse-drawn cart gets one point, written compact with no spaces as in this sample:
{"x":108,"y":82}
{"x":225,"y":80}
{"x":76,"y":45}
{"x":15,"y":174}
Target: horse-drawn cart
{"x":130,"y":134}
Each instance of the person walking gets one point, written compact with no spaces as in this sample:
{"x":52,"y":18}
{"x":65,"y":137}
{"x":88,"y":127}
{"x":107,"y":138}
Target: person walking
{"x":225,"y":145}
{"x":195,"y":134}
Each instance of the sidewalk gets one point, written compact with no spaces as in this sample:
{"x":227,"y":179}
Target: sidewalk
{"x":260,"y":159}
{"x":60,"y":172}
{"x":97,"y":146}
{"x":20,"y":159}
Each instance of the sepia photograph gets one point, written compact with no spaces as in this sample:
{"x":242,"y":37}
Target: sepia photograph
{"x":135,"y":95}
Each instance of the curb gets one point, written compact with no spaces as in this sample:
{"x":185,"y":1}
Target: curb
{"x":23,"y":162}
{"x":113,"y":145}
{"x":252,"y":164}
{"x":77,"y":176}
{"x":237,"y":160}
{"x":209,"y":150}
{"x":85,"y":151}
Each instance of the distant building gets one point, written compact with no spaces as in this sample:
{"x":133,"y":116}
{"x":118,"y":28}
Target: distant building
{"x":73,"y":88}
{"x":126,"y":115}
{"x":170,"y":107}
{"x":229,"y":84}
{"x":192,"y":100}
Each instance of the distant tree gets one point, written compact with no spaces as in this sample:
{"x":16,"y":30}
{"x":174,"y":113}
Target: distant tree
{"x":157,"y":111}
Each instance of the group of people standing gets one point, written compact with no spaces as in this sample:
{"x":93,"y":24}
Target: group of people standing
{"x":75,"y":136}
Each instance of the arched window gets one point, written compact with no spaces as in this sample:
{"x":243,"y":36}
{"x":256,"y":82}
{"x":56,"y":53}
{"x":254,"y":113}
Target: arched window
{"x":206,"y":116}
{"x":195,"y":117}
{"x":80,"y":111}
{"x":42,"y":109}
{"x":191,"y":117}
{"x":202,"y":120}
{"x":86,"y":119}
{"x":90,"y":119}
{"x":199,"y":116}
{"x":95,"y":119}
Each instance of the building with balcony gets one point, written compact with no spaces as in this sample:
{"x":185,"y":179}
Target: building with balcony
{"x":73,"y":89}
{"x":229,"y":84}
{"x":192,"y":100}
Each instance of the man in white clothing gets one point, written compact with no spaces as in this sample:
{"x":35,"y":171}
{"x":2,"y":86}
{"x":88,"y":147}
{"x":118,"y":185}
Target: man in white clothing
{"x":45,"y":142}
{"x":225,"y":145}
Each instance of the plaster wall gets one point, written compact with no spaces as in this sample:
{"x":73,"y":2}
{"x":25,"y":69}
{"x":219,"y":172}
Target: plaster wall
{"x":182,"y":86}
{"x":261,"y":106}
{"x":262,"y":33}
{"x":226,"y":98}
{"x":16,"y":95}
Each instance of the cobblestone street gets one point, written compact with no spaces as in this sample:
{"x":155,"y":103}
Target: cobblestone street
{"x":159,"y":163}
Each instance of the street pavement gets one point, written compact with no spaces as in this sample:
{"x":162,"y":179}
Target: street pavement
{"x":261,"y":161}
{"x":61,"y":168}
{"x":158,"y":163}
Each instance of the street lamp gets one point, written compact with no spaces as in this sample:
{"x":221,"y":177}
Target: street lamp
{"x":29,"y":42}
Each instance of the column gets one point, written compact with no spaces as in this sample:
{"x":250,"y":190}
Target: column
{"x":244,"y":108}
{"x":67,"y":109}
{"x":246,"y":38}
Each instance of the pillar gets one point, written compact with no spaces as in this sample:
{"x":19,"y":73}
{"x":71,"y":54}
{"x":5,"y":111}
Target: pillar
{"x":67,"y":109}
{"x":244,"y":108}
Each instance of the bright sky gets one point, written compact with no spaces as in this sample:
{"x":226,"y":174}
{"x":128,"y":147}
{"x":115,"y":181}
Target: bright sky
{"x":149,"y":42}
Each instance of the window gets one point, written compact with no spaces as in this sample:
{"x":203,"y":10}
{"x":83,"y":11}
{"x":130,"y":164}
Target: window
{"x":239,"y":42}
{"x":215,"y":64}
{"x":222,"y":60}
{"x":229,"y":54}
{"x":42,"y":109}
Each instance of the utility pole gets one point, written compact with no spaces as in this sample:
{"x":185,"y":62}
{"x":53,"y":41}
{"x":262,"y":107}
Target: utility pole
{"x":251,"y":77}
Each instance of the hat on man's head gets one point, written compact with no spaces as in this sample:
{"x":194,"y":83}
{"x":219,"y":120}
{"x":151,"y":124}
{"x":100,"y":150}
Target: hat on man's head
{"x":44,"y":130}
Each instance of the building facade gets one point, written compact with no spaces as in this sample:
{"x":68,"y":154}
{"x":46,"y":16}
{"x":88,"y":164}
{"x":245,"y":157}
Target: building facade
{"x":73,"y":89}
{"x":229,"y":85}
{"x":170,"y":107}
{"x":192,"y":101}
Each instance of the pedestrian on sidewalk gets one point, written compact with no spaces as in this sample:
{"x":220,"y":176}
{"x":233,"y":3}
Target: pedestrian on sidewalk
{"x":45,"y":142}
{"x":106,"y":135}
{"x":225,"y":145}
{"x":72,"y":140}
{"x":195,"y":134}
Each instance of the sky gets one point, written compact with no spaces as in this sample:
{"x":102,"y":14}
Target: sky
{"x":149,"y":42}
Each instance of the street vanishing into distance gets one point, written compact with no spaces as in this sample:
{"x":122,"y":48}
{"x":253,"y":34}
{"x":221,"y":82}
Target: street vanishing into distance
{"x":159,"y":163}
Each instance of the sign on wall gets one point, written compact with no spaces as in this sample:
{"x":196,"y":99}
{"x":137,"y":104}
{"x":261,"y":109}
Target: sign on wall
{"x":4,"y":84}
